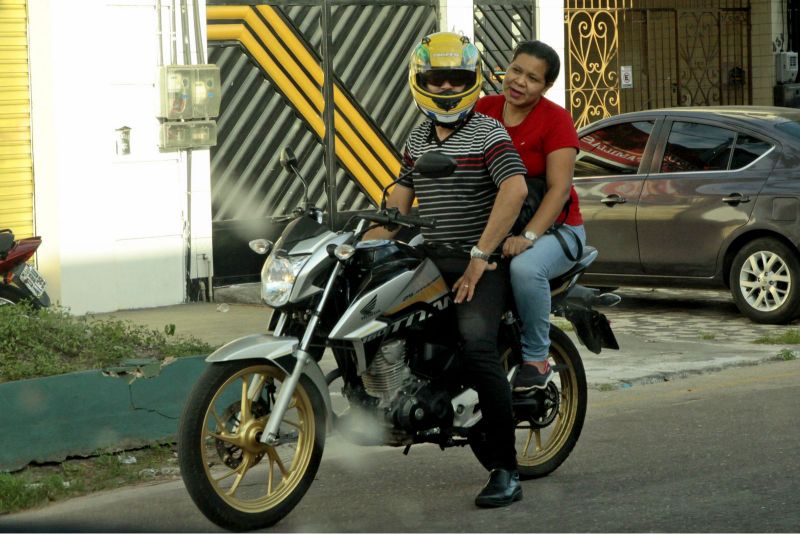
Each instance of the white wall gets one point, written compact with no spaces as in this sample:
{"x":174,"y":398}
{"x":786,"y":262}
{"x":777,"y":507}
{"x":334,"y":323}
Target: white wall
{"x":113,"y":226}
{"x":457,"y":16}
{"x":550,"y":29}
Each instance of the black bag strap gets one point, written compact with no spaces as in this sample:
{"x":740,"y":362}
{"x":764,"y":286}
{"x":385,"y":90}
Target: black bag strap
{"x":555,"y":230}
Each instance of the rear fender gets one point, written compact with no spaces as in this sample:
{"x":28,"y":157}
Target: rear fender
{"x":280,"y":351}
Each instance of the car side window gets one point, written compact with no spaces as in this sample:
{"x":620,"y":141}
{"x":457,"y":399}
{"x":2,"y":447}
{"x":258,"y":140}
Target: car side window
{"x":613,"y":150}
{"x":747,"y":150}
{"x":697,"y":147}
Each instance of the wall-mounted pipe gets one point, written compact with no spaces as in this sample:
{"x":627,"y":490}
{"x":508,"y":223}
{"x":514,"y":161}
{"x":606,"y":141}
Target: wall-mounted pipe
{"x":187,"y":53}
{"x":173,"y":58}
{"x":198,"y":34}
{"x":160,"y":34}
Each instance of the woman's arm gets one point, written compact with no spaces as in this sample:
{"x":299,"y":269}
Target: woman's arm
{"x":560,"y":168}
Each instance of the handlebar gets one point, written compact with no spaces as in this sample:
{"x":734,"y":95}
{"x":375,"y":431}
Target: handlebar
{"x":393,"y":216}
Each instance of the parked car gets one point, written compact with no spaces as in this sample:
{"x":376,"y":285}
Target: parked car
{"x":703,"y":197}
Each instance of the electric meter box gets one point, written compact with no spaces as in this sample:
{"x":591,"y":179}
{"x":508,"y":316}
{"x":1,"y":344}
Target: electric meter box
{"x":191,"y":134}
{"x":786,"y":67}
{"x":189,"y":92}
{"x":175,"y":87}
{"x":206,"y":94}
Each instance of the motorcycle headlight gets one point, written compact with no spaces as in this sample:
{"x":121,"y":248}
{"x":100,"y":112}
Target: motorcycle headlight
{"x":277,"y":278}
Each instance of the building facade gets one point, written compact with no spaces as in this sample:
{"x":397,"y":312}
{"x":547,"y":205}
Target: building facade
{"x":126,"y":224}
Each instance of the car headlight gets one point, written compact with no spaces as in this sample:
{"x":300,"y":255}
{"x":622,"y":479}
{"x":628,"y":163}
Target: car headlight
{"x":277,"y":278}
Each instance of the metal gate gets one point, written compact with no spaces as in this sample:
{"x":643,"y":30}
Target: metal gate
{"x":269,"y":57}
{"x":500,"y":25}
{"x":658,"y":54}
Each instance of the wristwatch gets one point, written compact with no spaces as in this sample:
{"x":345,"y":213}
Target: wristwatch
{"x":530,"y":235}
{"x":478,"y":253}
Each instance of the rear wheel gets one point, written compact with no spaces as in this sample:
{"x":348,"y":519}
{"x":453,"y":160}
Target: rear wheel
{"x":238,"y":482}
{"x":13,"y":295}
{"x":765,"y":281}
{"x":546,"y":434}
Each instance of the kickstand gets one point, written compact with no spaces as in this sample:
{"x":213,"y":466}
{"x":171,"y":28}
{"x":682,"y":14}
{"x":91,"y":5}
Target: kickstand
{"x":405,"y":451}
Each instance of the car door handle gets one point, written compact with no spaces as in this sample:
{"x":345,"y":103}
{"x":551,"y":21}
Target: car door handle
{"x":613,"y":200}
{"x":735,"y":199}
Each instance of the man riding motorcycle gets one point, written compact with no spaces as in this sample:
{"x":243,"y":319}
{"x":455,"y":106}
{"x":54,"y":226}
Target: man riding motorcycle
{"x":475,"y":209}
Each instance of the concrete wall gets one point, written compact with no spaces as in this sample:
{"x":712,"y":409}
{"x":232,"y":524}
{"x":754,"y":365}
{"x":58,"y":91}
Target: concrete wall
{"x":114,"y":226}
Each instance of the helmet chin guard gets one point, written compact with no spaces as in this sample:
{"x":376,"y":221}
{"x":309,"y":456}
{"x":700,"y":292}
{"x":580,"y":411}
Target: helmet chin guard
{"x":441,"y":58}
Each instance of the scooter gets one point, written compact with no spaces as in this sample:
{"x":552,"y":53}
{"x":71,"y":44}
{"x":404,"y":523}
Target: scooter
{"x":20,"y":281}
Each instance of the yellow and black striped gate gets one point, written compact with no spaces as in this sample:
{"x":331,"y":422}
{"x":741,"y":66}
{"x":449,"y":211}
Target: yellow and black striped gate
{"x":269,"y":58}
{"x":16,"y":164}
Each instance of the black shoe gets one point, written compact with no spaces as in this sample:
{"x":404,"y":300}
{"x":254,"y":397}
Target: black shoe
{"x":501,"y":490}
{"x":529,"y":377}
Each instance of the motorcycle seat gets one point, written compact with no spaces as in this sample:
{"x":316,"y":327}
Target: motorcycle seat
{"x":560,"y":282}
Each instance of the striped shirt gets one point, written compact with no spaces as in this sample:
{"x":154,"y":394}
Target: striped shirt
{"x":462,"y":203}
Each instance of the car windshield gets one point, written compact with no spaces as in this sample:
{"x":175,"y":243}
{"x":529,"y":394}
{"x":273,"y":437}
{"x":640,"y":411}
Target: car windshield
{"x":790,"y":127}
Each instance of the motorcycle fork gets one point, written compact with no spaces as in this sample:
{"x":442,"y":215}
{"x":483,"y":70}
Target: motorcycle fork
{"x":301,"y":354}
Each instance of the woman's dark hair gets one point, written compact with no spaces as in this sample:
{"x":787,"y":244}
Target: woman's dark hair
{"x":544,"y":52}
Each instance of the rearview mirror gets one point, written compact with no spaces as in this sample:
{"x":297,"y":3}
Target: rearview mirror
{"x":288,"y":159}
{"x":435,"y":165}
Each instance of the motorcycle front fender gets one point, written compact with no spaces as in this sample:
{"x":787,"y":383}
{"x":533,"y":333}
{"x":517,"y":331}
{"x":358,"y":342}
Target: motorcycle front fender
{"x":280,"y":351}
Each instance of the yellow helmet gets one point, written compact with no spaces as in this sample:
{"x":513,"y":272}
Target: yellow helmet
{"x":439,"y":58}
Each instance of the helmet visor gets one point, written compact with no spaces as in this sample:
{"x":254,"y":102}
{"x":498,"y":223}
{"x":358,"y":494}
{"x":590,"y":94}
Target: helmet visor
{"x":437,"y":78}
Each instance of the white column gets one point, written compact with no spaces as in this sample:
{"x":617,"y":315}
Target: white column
{"x":457,"y":16}
{"x":550,"y":29}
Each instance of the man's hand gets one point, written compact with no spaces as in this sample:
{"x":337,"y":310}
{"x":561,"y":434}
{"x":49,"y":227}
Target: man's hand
{"x":464,"y":287}
{"x":516,"y":245}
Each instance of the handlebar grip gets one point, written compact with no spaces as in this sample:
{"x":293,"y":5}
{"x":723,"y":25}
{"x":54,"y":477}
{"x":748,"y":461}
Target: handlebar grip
{"x":419,"y":221}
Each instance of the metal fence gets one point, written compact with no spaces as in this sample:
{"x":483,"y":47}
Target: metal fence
{"x":269,"y":57}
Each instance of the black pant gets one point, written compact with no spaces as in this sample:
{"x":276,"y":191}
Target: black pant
{"x":478,"y":323}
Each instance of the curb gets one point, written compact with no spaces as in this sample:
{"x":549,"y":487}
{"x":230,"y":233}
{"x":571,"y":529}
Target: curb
{"x":78,"y":414}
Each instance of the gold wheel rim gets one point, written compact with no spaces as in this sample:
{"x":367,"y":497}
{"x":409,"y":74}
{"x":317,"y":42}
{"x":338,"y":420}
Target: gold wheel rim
{"x":251,"y":476}
{"x":536,"y":446}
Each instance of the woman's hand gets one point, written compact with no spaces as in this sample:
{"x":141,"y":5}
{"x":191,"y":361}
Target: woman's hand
{"x":516,"y":245}
{"x":464,"y":287}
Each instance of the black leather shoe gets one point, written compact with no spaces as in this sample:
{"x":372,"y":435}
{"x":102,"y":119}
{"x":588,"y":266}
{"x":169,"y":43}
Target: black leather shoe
{"x":501,"y":490}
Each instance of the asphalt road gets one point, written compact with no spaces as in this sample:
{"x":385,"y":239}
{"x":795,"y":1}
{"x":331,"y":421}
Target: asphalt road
{"x":709,"y":453}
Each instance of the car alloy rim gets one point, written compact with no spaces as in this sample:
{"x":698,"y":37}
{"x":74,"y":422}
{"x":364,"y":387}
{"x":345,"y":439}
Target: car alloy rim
{"x":765,"y":281}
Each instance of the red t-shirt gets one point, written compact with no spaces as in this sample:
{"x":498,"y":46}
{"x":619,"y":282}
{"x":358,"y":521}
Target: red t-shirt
{"x":547,"y":127}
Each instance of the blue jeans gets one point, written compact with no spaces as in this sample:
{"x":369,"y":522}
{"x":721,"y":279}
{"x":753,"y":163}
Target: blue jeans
{"x":530,"y":275}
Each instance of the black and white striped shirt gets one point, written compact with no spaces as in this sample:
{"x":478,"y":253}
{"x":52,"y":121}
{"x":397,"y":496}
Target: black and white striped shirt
{"x":462,"y":203}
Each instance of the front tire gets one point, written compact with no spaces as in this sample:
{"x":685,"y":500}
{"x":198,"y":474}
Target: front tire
{"x":545,"y":443}
{"x":238,"y":482}
{"x":765,"y":281}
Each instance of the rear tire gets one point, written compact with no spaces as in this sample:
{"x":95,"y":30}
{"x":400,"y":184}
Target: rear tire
{"x":553,"y":443}
{"x":765,"y":281}
{"x":238,"y":482}
{"x":11,"y":295}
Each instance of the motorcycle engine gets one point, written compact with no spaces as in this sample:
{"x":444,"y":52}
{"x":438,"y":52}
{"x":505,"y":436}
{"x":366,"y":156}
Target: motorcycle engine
{"x":408,"y":402}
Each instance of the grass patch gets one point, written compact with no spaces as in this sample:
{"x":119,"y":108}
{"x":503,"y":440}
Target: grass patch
{"x":789,"y":337}
{"x":787,"y":355}
{"x":38,"y":485}
{"x":607,"y":387}
{"x":38,"y":343}
{"x":708,"y":336}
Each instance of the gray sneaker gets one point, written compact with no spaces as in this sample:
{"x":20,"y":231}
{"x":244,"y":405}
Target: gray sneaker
{"x":529,"y":377}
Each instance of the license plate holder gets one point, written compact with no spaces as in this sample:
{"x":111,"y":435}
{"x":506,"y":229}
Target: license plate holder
{"x":32,"y":280}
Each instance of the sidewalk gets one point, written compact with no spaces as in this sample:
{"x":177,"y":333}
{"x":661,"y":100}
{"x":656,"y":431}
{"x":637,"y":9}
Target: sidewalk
{"x":663,"y":334}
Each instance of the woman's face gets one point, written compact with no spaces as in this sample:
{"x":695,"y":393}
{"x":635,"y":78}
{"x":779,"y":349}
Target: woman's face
{"x":524,"y":82}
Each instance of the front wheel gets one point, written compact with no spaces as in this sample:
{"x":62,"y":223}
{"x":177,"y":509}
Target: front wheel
{"x":764,"y":281}
{"x":238,"y":482}
{"x":547,"y":435}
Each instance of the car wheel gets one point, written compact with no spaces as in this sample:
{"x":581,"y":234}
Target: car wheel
{"x":765,"y":280}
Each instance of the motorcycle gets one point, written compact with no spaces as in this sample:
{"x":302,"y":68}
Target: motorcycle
{"x":20,"y":280}
{"x":253,"y":430}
